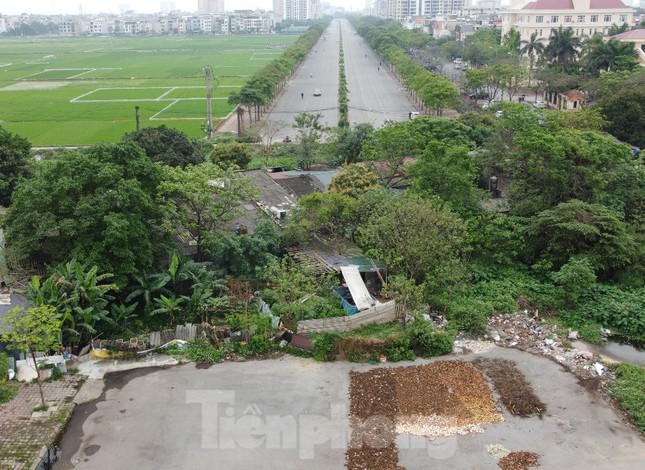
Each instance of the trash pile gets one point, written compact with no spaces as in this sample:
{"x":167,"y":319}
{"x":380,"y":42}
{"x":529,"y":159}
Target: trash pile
{"x":534,"y":335}
{"x":441,"y":399}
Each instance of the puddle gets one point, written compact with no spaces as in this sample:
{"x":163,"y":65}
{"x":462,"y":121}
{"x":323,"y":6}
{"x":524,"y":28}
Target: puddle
{"x":52,"y":456}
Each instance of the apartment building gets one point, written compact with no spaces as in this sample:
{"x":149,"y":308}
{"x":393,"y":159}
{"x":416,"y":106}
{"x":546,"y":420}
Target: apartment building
{"x":206,"y":7}
{"x":585,"y":17}
{"x":295,"y":10}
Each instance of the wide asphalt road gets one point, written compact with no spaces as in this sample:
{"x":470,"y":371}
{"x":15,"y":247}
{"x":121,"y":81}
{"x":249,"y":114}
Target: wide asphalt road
{"x":318,"y":71}
{"x":375,"y":96}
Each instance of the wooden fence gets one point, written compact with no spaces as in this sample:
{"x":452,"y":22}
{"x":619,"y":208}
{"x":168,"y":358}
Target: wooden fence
{"x":382,"y":313}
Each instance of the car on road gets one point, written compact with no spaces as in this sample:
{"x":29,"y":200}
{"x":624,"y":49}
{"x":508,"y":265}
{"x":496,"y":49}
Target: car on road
{"x":539,"y":104}
{"x":317,"y":92}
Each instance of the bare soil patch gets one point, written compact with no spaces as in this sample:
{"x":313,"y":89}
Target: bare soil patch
{"x":35,"y":85}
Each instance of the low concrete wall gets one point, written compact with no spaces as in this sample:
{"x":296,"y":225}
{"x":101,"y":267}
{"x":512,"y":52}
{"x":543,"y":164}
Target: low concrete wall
{"x":382,"y":313}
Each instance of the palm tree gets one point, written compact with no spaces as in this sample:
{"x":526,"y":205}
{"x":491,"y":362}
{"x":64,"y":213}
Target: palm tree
{"x":533,"y":48}
{"x":615,"y":29}
{"x":611,"y":55}
{"x":563,"y":48}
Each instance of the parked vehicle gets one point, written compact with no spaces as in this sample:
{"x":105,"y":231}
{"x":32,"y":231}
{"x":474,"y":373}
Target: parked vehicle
{"x":539,"y":104}
{"x":317,"y":92}
{"x":479,"y":95}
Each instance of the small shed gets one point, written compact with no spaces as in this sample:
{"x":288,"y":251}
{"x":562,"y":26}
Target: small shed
{"x":572,"y":100}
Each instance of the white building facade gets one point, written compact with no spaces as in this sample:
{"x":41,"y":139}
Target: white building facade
{"x":296,"y":10}
{"x":211,"y":7}
{"x":585,"y":17}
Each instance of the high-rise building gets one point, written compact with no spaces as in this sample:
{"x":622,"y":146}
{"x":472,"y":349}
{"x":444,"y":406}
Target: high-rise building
{"x":211,"y":6}
{"x":296,"y":10}
{"x":441,"y":7}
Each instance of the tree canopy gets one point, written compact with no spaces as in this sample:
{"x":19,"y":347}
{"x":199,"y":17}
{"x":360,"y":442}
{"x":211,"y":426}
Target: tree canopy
{"x":97,"y":205}
{"x":14,"y":163}
{"x":167,"y":145}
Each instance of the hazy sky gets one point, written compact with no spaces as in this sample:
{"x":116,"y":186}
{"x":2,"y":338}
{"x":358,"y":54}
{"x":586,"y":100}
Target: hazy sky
{"x":95,"y":6}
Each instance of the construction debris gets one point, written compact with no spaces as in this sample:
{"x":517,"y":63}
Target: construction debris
{"x":515,"y":393}
{"x":519,"y":461}
{"x":536,"y":336}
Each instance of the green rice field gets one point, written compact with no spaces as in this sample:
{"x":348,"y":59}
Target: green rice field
{"x":76,"y":91}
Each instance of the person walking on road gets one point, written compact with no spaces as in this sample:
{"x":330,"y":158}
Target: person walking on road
{"x":302,"y":96}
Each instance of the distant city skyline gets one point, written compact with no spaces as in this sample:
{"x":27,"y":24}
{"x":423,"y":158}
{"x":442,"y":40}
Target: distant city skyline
{"x":48,"y":7}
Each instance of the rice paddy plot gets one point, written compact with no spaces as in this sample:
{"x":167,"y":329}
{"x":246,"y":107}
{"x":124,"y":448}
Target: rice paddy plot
{"x":75,"y":91}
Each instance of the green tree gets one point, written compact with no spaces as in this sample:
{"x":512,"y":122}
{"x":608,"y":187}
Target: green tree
{"x":14,"y":158}
{"x":552,"y":167}
{"x":625,"y":113}
{"x":574,"y":277}
{"x":36,"y":329}
{"x":349,"y":142}
{"x":533,"y":48}
{"x":354,"y":180}
{"x":309,"y":134}
{"x":167,"y":145}
{"x":611,"y":55}
{"x":231,"y":154}
{"x":415,"y":237}
{"x":576,"y":228}
{"x":200,"y":199}
{"x":563,"y":48}
{"x":96,"y":205}
{"x":330,"y":214}
{"x":512,"y":41}
{"x":449,"y":173}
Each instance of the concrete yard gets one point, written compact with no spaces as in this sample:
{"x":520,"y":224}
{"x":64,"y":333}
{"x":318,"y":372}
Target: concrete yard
{"x":291,"y":413}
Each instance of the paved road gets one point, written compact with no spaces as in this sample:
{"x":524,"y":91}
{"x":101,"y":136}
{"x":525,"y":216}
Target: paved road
{"x":319,"y":70}
{"x":374,"y":96}
{"x":291,"y":414}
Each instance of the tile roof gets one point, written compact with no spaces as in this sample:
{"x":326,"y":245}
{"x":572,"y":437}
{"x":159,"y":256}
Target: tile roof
{"x":568,"y":5}
{"x":635,"y":34}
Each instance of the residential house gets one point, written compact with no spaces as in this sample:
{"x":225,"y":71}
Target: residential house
{"x":572,"y":100}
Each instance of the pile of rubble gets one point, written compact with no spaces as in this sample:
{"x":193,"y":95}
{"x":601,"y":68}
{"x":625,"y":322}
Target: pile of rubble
{"x":535,"y":335}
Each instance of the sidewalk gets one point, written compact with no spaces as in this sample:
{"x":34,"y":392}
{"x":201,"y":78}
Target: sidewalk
{"x":23,"y":437}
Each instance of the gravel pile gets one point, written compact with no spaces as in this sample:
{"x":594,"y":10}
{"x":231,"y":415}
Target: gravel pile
{"x":519,"y":461}
{"x":515,"y":393}
{"x":435,"y":400}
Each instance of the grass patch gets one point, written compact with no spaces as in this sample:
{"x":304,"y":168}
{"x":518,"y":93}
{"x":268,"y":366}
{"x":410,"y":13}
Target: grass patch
{"x":47,"y":118}
{"x":629,"y":390}
{"x":8,"y":391}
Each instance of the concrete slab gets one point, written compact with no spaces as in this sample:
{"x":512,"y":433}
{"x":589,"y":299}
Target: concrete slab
{"x":291,"y":413}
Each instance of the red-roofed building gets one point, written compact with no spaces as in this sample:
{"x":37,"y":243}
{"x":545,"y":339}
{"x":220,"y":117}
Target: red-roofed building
{"x":585,"y":17}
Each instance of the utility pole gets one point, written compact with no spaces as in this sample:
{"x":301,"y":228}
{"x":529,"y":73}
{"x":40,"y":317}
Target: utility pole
{"x":137,"y":116}
{"x":209,"y":76}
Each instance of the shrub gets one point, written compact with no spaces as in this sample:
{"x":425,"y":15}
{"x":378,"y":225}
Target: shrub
{"x":325,"y":347}
{"x":4,"y":368}
{"x":629,"y":390}
{"x":471,"y":315}
{"x":200,"y":350}
{"x":426,"y":342}
{"x":260,"y":345}
{"x":399,"y":350}
{"x":8,"y":391}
